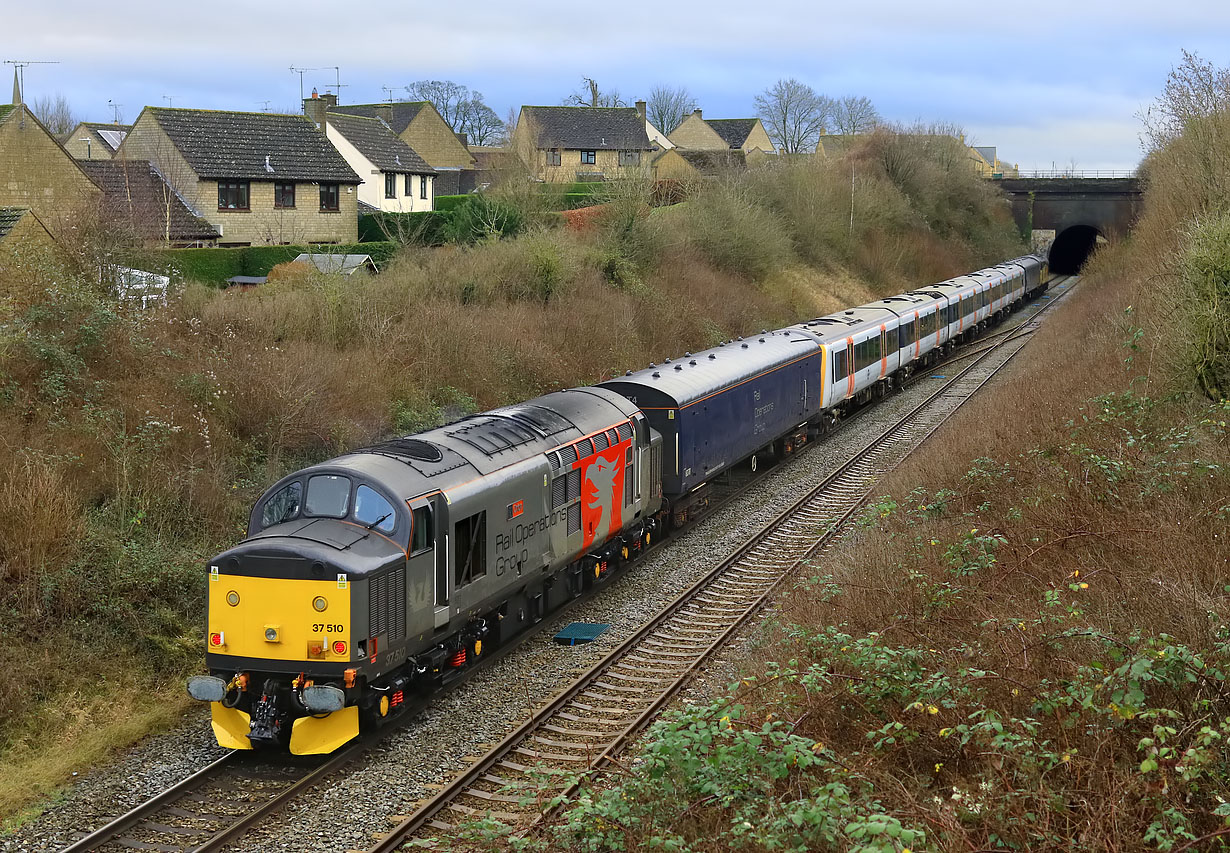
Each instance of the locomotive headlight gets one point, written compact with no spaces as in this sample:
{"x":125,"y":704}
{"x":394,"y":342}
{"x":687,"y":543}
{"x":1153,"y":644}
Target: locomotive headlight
{"x":232,"y":598}
{"x":319,"y":604}
{"x":271,"y":633}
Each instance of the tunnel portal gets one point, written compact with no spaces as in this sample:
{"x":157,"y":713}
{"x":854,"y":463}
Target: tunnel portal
{"x":1072,"y":247}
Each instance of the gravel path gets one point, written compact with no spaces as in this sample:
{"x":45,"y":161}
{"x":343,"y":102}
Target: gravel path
{"x":344,"y":813}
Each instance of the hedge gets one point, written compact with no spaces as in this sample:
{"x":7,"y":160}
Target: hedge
{"x":425,"y":228}
{"x":215,"y":266}
{"x":445,"y":203}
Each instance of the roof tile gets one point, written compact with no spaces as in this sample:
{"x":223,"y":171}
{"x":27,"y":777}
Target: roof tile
{"x":253,"y":146}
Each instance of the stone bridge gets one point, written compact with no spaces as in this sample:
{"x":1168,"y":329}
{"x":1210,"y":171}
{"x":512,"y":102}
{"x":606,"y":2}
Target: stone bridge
{"x":1078,"y":211}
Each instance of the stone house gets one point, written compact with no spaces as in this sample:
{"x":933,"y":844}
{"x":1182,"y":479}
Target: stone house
{"x":723,"y":134}
{"x":987,"y":164}
{"x":257,"y":178}
{"x":395,"y":178}
{"x":20,"y":229}
{"x":140,"y":208}
{"x":685,"y":165}
{"x":37,"y":174}
{"x":92,"y":140}
{"x":564,"y":144}
{"x":419,"y":125}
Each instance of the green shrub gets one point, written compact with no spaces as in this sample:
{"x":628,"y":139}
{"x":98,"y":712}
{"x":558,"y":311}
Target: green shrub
{"x":483,"y":218}
{"x":215,"y":266}
{"x":1204,"y":266}
{"x":445,"y":203}
{"x":736,"y":234}
{"x":425,"y":228}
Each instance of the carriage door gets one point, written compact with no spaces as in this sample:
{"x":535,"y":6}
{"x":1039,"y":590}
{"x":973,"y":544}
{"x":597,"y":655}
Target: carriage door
{"x":429,"y":558}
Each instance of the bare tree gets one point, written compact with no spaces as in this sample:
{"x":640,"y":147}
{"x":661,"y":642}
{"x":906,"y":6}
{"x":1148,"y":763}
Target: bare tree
{"x":480,"y":124}
{"x":793,"y":114}
{"x":1194,"y":89}
{"x":449,"y":98}
{"x":854,"y":114}
{"x":668,"y":106}
{"x":591,"y":95}
{"x":461,"y":107}
{"x":55,"y":113}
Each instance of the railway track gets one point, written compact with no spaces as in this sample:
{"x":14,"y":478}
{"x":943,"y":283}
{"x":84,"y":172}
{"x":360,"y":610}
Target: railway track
{"x":212,"y":809}
{"x":590,"y":721}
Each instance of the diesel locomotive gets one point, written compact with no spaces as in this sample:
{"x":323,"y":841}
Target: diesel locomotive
{"x":385,"y":572}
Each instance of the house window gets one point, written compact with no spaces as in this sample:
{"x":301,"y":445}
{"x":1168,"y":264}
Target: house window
{"x":233,"y":195}
{"x":410,"y":186}
{"x":589,"y":157}
{"x":328,"y":197}
{"x":422,"y":186}
{"x":283,"y":195}
{"x":629,"y":158}
{"x":390,"y":187}
{"x":553,"y":157}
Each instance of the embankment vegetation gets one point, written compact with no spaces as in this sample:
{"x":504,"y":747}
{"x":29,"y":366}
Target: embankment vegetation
{"x":132,"y":443}
{"x":1024,"y":645}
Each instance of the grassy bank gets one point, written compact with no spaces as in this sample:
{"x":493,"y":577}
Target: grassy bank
{"x":132,"y":444}
{"x":1024,"y":645}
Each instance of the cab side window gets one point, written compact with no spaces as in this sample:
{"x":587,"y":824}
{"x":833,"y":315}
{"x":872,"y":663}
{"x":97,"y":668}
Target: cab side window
{"x":420,"y":535}
{"x":282,"y":505}
{"x":372,"y":510}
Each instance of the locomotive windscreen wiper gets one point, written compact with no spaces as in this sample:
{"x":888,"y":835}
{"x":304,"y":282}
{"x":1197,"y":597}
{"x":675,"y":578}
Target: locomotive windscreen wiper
{"x":377,"y":521}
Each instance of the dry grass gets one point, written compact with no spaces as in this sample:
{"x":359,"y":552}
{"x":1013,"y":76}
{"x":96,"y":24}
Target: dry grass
{"x":147,"y":437}
{"x":1025,"y":645}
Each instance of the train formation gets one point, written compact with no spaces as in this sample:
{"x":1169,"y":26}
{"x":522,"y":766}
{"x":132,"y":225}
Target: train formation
{"x":379,"y":575}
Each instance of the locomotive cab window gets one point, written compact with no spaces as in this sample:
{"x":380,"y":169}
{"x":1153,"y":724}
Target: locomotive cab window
{"x":328,"y":495}
{"x":372,"y":510}
{"x":283,"y":505}
{"x":420,"y":533}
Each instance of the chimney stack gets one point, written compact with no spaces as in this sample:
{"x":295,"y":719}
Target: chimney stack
{"x":640,"y":109}
{"x":696,"y":112}
{"x":316,"y":108}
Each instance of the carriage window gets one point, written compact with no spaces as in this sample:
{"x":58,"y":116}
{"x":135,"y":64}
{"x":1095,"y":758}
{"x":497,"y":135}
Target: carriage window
{"x":328,"y":495}
{"x":282,"y":506}
{"x":372,"y":510}
{"x":470,"y":548}
{"x":420,"y":535}
{"x":839,"y":366}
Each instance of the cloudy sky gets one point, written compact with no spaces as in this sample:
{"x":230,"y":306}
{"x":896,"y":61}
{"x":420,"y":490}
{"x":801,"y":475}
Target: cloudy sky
{"x":1053,"y":82}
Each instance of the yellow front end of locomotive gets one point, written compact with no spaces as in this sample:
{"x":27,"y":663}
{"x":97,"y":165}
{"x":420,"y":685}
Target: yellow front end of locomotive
{"x":279,"y":619}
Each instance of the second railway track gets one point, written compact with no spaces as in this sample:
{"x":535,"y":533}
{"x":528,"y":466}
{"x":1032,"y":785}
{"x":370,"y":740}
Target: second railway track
{"x":583,"y":727}
{"x":213,"y":808}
